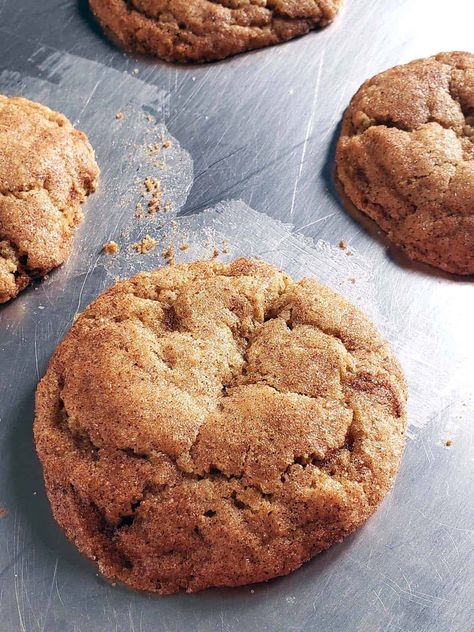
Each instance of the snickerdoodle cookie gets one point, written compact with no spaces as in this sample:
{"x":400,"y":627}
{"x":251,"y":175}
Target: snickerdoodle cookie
{"x":406,"y":158}
{"x":47,"y":168}
{"x":215,"y":425}
{"x":206,"y":30}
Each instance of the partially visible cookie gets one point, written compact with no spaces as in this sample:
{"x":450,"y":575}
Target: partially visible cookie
{"x":216,"y":425}
{"x":207,"y":30}
{"x":406,"y":158}
{"x":47,"y":168}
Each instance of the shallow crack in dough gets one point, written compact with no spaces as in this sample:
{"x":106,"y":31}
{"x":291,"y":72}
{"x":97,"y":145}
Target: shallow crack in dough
{"x":215,"y":424}
{"x":405,"y":157}
{"x":47,"y":169}
{"x":205,"y":30}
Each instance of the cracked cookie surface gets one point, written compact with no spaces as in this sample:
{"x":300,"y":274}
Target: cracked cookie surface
{"x":216,"y":425}
{"x":405,"y":157}
{"x":47,"y":168}
{"x":207,"y":30}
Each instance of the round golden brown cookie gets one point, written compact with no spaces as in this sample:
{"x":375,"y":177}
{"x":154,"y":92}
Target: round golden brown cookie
{"x":206,"y":30}
{"x":47,"y":168}
{"x":406,"y":158}
{"x":216,"y":425}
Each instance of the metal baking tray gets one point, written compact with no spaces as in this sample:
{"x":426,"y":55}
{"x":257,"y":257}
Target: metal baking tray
{"x":259,"y":128}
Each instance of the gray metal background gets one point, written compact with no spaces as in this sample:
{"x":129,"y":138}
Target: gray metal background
{"x":260,"y":127}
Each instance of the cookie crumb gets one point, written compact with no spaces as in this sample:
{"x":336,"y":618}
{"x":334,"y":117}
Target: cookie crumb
{"x":153,"y":187}
{"x":167,"y":144}
{"x":183,"y":246}
{"x":145,"y":245}
{"x":448,"y":443}
{"x":139,"y":211}
{"x":154,"y":149}
{"x":120,"y":116}
{"x":352,"y":279}
{"x":111,"y":248}
{"x":168,"y":254}
{"x":215,"y":253}
{"x":342,"y":245}
{"x":150,"y":183}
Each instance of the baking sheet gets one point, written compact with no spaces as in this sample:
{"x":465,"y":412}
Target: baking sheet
{"x":250,"y":165}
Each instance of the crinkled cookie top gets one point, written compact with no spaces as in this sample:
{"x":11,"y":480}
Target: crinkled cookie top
{"x":47,"y":168}
{"x":216,"y":425}
{"x":406,"y":158}
{"x":206,"y":30}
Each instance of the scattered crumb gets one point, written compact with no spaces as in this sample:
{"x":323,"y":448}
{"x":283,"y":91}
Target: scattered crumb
{"x":153,"y":187}
{"x":183,"y":246}
{"x":3,"y":512}
{"x":168,"y":254}
{"x":120,"y":116}
{"x":111,"y":248}
{"x":154,"y":149}
{"x":174,"y":225}
{"x":352,"y":279}
{"x":344,"y":246}
{"x":448,"y":443}
{"x":145,"y":245}
{"x":149,"y":118}
{"x":139,"y":210}
{"x":215,"y":253}
{"x":225,"y":247}
{"x":167,"y":144}
{"x":150,"y":183}
{"x":168,"y":206}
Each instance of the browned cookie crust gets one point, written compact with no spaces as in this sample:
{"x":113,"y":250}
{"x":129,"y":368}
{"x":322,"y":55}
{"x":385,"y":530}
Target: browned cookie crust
{"x":47,"y":168}
{"x":216,"y":425}
{"x":206,"y":30}
{"x":406,"y":158}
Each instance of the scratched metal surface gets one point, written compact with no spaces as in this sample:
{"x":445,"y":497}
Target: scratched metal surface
{"x":259,"y":127}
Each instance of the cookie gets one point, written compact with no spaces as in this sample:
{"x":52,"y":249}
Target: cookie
{"x":47,"y":168}
{"x":217,"y":425}
{"x":405,"y":157}
{"x":207,"y":30}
